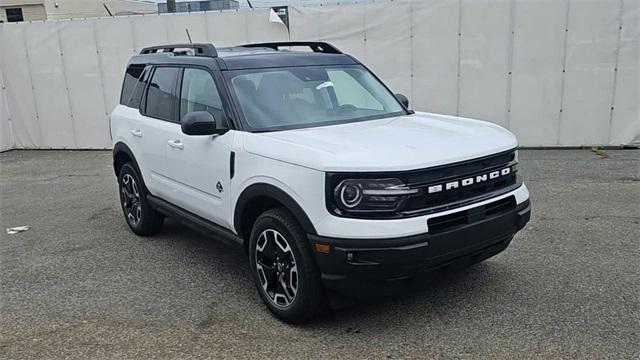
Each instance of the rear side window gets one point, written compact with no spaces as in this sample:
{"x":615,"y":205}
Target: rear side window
{"x":138,"y":90}
{"x":131,"y":77}
{"x":161,"y":97}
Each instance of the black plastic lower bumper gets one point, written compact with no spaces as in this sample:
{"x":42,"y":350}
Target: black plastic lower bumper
{"x":356,"y":266}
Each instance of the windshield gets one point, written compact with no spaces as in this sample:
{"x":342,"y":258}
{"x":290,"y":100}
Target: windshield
{"x":306,"y":96}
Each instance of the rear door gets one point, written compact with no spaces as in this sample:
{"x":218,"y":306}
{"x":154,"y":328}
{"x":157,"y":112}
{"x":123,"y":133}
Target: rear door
{"x":126,"y":119}
{"x":156,"y":124}
{"x":198,"y":165}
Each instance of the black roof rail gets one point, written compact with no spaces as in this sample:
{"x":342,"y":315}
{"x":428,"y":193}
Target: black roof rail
{"x":316,"y":46}
{"x":198,"y":49}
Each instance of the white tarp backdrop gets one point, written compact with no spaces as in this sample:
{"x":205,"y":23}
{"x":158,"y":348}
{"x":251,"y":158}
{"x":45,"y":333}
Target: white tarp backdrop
{"x":555,"y":72}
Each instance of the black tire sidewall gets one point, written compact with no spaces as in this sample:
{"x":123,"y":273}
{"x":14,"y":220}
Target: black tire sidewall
{"x":309,"y":292}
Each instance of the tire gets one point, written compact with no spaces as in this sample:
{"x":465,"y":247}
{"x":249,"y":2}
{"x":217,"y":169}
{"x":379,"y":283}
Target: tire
{"x":139,"y":215}
{"x":280,"y":257}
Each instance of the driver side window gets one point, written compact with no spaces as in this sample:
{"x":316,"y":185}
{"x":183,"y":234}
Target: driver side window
{"x":199,"y":93}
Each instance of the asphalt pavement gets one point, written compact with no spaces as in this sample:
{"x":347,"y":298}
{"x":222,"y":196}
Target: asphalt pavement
{"x":79,"y":284}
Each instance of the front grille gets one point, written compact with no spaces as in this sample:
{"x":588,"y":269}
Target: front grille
{"x":447,"y":222}
{"x":425,"y":201}
{"x":428,"y":202}
{"x":460,"y":169}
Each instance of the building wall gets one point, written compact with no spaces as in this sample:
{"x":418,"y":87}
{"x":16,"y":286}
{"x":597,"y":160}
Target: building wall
{"x":35,"y":10}
{"x":31,"y":10}
{"x":193,"y":6}
{"x":19,"y":3}
{"x":77,"y":9}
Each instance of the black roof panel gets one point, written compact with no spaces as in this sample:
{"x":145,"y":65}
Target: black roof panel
{"x":256,"y":59}
{"x":237,"y":58}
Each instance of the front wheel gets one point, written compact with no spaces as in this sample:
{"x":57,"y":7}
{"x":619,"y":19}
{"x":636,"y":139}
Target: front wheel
{"x":283,"y":267}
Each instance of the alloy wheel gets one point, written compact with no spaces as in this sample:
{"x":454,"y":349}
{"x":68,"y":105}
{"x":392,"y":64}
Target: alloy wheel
{"x":131,"y":199}
{"x":276,"y":267}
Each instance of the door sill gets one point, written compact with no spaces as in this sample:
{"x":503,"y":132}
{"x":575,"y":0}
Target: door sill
{"x":194,"y":221}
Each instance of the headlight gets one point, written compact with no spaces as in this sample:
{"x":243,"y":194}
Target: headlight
{"x":371,"y":195}
{"x":350,"y":194}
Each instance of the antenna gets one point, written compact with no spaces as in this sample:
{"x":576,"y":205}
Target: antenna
{"x":106,"y":8}
{"x":188,"y":36}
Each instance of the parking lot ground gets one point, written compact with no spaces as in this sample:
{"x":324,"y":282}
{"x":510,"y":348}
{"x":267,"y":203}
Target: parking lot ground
{"x":80,"y":285}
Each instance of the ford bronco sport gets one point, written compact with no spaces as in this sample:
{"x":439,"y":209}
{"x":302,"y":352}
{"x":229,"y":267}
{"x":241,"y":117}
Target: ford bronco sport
{"x":312,"y":165}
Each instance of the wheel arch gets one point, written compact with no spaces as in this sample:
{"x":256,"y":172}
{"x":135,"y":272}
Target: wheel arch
{"x":123,"y":154}
{"x":260,"y":197}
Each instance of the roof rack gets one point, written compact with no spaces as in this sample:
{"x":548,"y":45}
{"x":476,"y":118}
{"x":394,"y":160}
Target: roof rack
{"x":198,"y":49}
{"x":320,"y":47}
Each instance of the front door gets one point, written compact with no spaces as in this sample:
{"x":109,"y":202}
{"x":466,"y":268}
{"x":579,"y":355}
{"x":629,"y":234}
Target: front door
{"x":198,"y":165}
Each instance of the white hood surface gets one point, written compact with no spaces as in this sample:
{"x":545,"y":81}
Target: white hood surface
{"x":405,"y":142}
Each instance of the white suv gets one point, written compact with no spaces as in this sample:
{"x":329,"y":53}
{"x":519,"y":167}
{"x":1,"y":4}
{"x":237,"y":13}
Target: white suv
{"x":309,"y":162}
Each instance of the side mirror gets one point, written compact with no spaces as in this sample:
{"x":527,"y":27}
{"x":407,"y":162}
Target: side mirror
{"x":403,"y":99}
{"x":201,"y":123}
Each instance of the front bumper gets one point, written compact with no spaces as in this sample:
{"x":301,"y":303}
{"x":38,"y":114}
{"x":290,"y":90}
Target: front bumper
{"x":359,"y":266}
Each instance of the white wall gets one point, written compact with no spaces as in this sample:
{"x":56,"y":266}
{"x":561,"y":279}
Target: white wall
{"x":498,"y":60}
{"x":64,"y":77}
{"x":546,"y":69}
{"x":6,"y":135}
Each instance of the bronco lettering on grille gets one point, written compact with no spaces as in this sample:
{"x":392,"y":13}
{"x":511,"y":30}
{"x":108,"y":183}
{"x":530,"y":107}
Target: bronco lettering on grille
{"x":469,"y":181}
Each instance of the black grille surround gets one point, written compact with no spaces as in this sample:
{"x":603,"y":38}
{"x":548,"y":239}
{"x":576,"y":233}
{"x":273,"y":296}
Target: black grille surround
{"x":424,"y":202}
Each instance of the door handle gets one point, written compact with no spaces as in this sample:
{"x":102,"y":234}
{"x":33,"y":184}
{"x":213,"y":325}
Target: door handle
{"x":176,"y":144}
{"x":136,"y":132}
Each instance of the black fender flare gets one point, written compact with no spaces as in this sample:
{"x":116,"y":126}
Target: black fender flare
{"x":121,"y":147}
{"x":268,"y":190}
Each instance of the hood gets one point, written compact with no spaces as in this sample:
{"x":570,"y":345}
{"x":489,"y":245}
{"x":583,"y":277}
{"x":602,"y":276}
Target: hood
{"x":405,"y":142}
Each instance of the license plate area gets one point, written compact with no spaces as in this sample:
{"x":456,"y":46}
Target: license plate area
{"x":449,"y":222}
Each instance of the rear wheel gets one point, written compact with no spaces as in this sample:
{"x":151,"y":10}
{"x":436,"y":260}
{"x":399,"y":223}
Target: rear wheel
{"x":140,"y":216}
{"x":283,"y":267}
